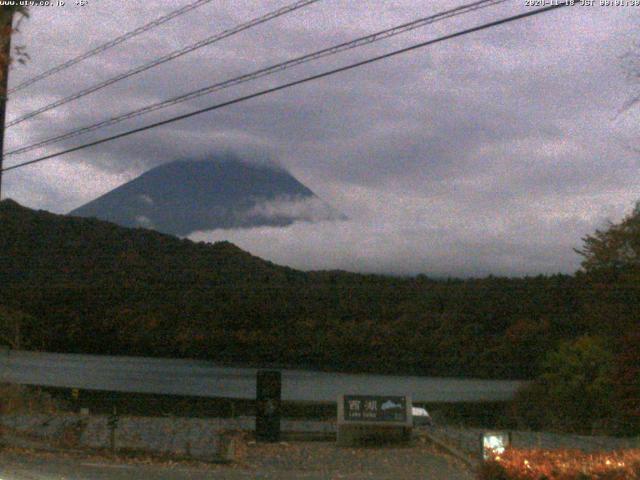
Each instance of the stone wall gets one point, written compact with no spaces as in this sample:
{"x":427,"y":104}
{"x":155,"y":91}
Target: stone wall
{"x":215,"y":439}
{"x":208,"y":439}
{"x":203,"y":439}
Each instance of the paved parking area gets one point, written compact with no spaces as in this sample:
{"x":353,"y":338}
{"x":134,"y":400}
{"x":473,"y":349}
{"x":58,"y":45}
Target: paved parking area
{"x":305,"y":460}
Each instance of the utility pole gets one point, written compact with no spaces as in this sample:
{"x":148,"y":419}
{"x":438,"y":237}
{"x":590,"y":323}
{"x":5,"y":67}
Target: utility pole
{"x":5,"y":32}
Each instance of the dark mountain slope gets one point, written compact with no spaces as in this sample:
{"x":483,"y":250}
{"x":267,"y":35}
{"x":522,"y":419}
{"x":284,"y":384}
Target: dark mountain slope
{"x":96,"y":287}
{"x":50,"y":249}
{"x":185,"y":196}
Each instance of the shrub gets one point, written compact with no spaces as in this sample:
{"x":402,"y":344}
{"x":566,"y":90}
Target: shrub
{"x":562,"y":465}
{"x":23,"y":399}
{"x":573,"y":392}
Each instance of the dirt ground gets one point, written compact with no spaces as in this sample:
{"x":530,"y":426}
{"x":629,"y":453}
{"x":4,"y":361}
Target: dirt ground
{"x":325,"y":460}
{"x":284,"y":460}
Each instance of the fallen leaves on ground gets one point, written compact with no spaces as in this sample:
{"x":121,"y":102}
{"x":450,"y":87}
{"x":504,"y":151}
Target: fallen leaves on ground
{"x":516,"y":464}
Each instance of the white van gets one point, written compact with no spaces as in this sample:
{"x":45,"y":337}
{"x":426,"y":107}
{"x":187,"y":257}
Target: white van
{"x":421,"y":417}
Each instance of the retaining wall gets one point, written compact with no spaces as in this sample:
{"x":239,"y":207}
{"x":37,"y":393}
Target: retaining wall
{"x":203,"y":439}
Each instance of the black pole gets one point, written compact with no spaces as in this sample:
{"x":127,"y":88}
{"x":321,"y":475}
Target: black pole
{"x":7,"y":25}
{"x":112,"y":422}
{"x":268,"y":395}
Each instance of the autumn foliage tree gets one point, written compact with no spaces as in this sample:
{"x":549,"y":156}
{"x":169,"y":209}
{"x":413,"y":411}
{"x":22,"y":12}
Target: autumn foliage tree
{"x":593,"y":382}
{"x":15,"y":326}
{"x":611,"y":280}
{"x":616,"y":249}
{"x":573,"y":392}
{"x":7,"y":28}
{"x":627,"y":382}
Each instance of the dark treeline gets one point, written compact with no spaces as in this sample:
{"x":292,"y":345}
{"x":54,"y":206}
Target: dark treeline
{"x":87,"y":286}
{"x":83,"y":285}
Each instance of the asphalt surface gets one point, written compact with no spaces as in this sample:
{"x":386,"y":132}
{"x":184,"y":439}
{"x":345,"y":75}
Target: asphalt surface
{"x":311,"y":460}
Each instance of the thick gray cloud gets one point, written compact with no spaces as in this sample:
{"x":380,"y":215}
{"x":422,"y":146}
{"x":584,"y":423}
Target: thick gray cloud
{"x":491,"y":153}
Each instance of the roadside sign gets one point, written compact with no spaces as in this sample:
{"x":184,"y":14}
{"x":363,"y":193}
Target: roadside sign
{"x":492,"y":443}
{"x":377,"y":419}
{"x":373,"y":408}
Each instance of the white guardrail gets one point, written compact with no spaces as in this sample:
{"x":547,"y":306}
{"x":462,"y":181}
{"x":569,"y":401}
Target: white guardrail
{"x":208,"y":379}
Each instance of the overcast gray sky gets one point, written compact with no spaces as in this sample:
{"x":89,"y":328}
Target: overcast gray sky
{"x":491,"y":153}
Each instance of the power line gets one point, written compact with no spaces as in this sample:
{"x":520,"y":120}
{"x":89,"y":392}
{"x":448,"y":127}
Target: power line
{"x":166,"y":58}
{"x":112,"y":43}
{"x":294,"y":83}
{"x":368,"y":39}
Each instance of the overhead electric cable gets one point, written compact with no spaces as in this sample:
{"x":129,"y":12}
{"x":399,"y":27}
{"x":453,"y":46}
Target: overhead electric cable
{"x":294,"y":83}
{"x":166,"y":58}
{"x":365,"y":40}
{"x":112,"y":43}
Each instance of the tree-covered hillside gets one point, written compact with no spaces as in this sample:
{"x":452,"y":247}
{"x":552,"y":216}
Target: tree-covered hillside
{"x":91,"y":286}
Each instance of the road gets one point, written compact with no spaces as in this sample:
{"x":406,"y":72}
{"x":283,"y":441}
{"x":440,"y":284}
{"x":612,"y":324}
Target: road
{"x":311,"y":461}
{"x":207,"y":379}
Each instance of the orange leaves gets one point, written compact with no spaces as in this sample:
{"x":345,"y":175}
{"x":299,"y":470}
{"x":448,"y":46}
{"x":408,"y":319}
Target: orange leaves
{"x":562,"y":465}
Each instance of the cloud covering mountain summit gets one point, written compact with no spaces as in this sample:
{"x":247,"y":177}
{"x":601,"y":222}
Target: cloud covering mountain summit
{"x":189,"y":195}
